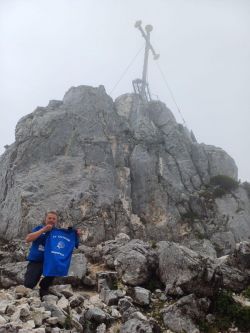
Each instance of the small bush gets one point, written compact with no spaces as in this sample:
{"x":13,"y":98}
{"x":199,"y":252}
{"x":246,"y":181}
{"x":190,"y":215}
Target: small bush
{"x":68,"y":319}
{"x":206,"y":327}
{"x":246,"y":292}
{"x":228,"y":311}
{"x":225,"y":182}
{"x":153,"y":244}
{"x":218,"y":192}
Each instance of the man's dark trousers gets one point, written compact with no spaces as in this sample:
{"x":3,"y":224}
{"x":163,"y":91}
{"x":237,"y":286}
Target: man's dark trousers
{"x":33,"y":274}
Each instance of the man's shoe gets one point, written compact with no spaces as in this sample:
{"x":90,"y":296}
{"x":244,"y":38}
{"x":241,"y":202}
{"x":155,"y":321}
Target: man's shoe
{"x":43,"y":292}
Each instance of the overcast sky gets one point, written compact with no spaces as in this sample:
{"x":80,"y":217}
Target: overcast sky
{"x":47,"y":46}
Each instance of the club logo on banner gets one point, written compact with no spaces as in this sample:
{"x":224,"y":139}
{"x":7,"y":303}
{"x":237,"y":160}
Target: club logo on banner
{"x":60,"y":245}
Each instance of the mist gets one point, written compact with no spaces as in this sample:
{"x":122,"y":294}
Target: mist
{"x":204,"y":46}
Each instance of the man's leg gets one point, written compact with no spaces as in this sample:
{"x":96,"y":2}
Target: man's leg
{"x":33,"y":274}
{"x":44,"y":284}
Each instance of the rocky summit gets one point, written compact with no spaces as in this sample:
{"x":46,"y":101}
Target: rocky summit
{"x":116,"y":167}
{"x":167,"y":222}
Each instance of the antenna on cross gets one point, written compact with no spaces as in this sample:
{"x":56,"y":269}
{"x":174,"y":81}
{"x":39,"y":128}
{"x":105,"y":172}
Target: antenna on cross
{"x":141,"y":86}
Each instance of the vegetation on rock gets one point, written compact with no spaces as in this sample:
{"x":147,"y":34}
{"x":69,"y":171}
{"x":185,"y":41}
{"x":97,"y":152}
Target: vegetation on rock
{"x":223,"y":184}
{"x":227,"y":313}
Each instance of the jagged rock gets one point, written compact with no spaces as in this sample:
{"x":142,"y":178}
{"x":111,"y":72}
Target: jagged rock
{"x":97,"y":315}
{"x":89,"y":280}
{"x":78,"y":266}
{"x":39,"y":330}
{"x":77,"y":326}
{"x":50,"y":299}
{"x":233,"y":277}
{"x":121,"y":167}
{"x":115,"y":313}
{"x":135,"y":262}
{"x":135,"y":325}
{"x":25,"y":311}
{"x":183,"y":270}
{"x":76,"y":300}
{"x":12,"y":274}
{"x":224,"y":242}
{"x":63,"y":303}
{"x":183,"y":315}
{"x":126,"y":308}
{"x":21,"y":290}
{"x":204,"y":247}
{"x":28,"y":325}
{"x":9,"y":328}
{"x":38,"y":316}
{"x":110,"y":250}
{"x":52,"y":320}
{"x":55,"y":311}
{"x":3,"y":306}
{"x":106,"y":280}
{"x":108,"y":296}
{"x":63,"y":289}
{"x":141,"y":296}
{"x":111,"y":297}
{"x":242,"y":254}
{"x":101,"y":328}
{"x":2,"y":320}
{"x":119,"y":170}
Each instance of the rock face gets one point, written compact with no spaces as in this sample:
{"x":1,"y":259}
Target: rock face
{"x":118,"y":167}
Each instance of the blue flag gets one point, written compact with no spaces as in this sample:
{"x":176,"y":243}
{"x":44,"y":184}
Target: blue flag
{"x":59,"y":247}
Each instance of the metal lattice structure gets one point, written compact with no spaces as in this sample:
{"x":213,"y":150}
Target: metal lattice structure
{"x":141,"y":86}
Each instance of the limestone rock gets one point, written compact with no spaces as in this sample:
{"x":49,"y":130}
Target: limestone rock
{"x":141,"y":296}
{"x":135,"y":325}
{"x":135,"y":262}
{"x":113,"y":167}
{"x":182,"y":269}
{"x":183,"y":315}
{"x":97,"y":315}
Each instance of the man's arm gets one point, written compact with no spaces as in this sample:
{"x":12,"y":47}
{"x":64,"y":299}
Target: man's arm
{"x":34,"y":235}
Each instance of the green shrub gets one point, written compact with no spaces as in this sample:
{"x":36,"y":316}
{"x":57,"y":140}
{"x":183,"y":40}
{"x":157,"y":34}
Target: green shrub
{"x":218,"y":192}
{"x":228,"y":311}
{"x":68,"y":319}
{"x":206,"y":327}
{"x":153,"y":244}
{"x":225,"y":182}
{"x":246,"y":292}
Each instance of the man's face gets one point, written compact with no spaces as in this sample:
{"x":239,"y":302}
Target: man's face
{"x":51,"y":219}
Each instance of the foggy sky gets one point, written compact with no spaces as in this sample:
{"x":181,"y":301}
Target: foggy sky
{"x":47,"y":46}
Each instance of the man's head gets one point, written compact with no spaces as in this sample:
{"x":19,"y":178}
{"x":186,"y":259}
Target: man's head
{"x":51,"y":218}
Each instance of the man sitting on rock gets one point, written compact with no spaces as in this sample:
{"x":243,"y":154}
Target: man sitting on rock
{"x":36,"y":255}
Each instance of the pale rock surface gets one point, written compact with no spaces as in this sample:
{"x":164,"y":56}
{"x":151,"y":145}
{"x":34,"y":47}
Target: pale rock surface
{"x":116,"y":167}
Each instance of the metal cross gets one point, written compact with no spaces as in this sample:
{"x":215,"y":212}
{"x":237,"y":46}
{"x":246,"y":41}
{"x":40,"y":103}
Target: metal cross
{"x":140,"y":85}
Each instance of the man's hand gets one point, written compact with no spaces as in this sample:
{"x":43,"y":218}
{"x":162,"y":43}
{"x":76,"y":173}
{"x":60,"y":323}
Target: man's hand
{"x":34,"y":235}
{"x":48,"y":227}
{"x":79,"y":232}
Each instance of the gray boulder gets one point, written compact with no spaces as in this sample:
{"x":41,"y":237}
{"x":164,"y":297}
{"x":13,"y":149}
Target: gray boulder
{"x":12,"y":274}
{"x":183,"y":270}
{"x":135,"y":262}
{"x":97,"y":315}
{"x":135,"y":325}
{"x":141,"y":296}
{"x":183,"y":315}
